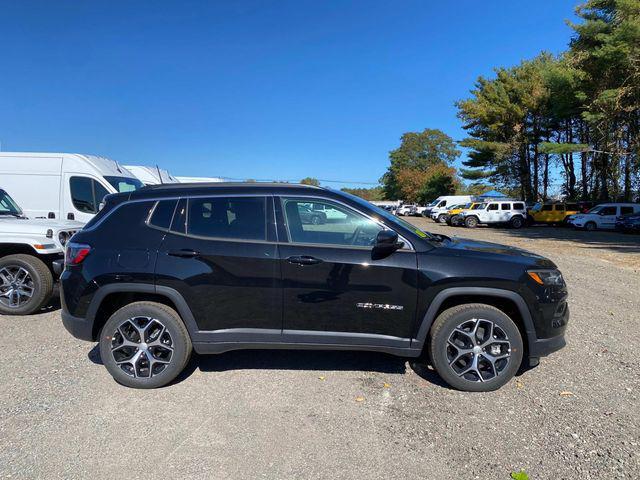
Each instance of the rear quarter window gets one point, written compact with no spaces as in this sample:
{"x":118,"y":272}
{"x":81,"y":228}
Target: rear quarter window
{"x":125,"y":224}
{"x":162,"y":214}
{"x":518,"y":206}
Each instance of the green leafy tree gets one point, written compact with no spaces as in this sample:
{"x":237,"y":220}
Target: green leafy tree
{"x":417,"y":153}
{"x":310,"y":181}
{"x":370,"y":194}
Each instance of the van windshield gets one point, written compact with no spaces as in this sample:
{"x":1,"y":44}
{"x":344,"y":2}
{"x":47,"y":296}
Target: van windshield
{"x":124,"y":184}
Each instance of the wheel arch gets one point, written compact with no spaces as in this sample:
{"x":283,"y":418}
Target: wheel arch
{"x":110,"y":298}
{"x":508,"y":301}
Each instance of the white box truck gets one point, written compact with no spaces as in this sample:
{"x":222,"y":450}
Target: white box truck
{"x":65,"y":186}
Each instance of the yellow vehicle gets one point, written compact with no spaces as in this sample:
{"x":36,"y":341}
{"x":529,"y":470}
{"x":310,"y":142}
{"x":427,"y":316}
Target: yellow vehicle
{"x":454,"y":217}
{"x":552,"y":212}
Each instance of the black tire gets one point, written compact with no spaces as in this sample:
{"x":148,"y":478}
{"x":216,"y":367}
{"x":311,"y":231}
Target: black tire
{"x":517,"y":222}
{"x":454,"y":221}
{"x":41,"y":283}
{"x":315,"y":220}
{"x":442,"y":218}
{"x":440,"y":350}
{"x":178,"y":336}
{"x":590,"y":226}
{"x":471,"y":222}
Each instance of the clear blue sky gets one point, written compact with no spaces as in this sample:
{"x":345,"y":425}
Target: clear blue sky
{"x":258,"y":89}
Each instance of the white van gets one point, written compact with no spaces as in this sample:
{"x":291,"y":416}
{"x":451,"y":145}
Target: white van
{"x":200,"y":179}
{"x":602,"y":216}
{"x":65,"y":186}
{"x":151,"y":175}
{"x":438,"y":208}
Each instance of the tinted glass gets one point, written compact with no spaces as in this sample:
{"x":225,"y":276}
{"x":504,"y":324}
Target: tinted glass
{"x":572,"y":206}
{"x":518,"y":206}
{"x":506,"y":206}
{"x":608,"y":211}
{"x":626,"y":210}
{"x":100,"y":193}
{"x":493,"y":206}
{"x":163,"y":213}
{"x":82,"y":194}
{"x":547,"y":208}
{"x":343,"y":227}
{"x":241,"y":218}
{"x":179,"y":223}
{"x":559,"y":208}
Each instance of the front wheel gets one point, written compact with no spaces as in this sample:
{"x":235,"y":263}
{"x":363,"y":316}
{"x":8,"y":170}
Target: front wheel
{"x":590,"y":226}
{"x":475,"y":347}
{"x":145,"y":345}
{"x":471,"y":222}
{"x":442,"y":218}
{"x":25,"y":284}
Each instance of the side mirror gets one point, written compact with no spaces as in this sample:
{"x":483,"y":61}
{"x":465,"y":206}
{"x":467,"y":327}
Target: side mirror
{"x":387,"y":242}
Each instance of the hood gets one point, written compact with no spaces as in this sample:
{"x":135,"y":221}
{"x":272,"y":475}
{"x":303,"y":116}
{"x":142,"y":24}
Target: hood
{"x":463,"y":246}
{"x":37,"y":226}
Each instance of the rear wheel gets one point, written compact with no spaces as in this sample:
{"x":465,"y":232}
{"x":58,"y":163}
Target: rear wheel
{"x":590,"y":226}
{"x":145,"y":345}
{"x":25,"y":284}
{"x":442,"y":218}
{"x":475,"y":347}
{"x":471,"y":222}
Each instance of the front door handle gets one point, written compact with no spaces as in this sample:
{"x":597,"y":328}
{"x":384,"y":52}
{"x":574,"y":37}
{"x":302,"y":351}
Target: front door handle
{"x":304,"y":260}
{"x":184,"y":253}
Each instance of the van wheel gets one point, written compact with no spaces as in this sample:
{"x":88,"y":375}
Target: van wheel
{"x":25,"y":284}
{"x":145,"y":345}
{"x":590,"y":226}
{"x":471,"y":222}
{"x":475,"y":347}
{"x":517,"y":222}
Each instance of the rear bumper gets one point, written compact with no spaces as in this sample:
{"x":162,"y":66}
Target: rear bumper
{"x":78,"y":327}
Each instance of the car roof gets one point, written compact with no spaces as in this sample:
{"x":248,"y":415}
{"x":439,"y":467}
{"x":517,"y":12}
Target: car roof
{"x":216,"y":188}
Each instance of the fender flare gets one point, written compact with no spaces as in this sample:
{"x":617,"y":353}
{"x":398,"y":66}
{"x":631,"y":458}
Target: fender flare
{"x":429,"y":317}
{"x":176,"y":298}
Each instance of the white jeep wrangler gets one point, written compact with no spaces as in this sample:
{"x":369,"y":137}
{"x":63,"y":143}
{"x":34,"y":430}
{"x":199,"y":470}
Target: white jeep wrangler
{"x":31,"y":255}
{"x":513,"y":213}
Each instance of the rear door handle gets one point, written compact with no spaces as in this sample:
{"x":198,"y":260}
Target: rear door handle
{"x":184,"y":253}
{"x":304,"y":260}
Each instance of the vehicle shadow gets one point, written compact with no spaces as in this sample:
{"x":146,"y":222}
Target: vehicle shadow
{"x":312,"y":360}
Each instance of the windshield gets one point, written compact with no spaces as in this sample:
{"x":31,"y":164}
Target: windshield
{"x":595,"y":209}
{"x":388,"y":216}
{"x":124,"y":184}
{"x":8,"y":206}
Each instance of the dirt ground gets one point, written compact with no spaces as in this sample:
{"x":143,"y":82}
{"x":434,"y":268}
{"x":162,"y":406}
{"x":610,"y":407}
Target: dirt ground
{"x":339,"y":415}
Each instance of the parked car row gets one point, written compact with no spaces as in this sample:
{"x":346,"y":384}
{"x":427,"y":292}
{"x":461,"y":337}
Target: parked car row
{"x":607,"y":216}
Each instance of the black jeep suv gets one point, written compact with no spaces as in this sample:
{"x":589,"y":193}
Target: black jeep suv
{"x":217,"y":267}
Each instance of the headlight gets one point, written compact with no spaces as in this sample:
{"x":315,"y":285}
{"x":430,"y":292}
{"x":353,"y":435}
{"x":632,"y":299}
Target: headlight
{"x":547,"y":278}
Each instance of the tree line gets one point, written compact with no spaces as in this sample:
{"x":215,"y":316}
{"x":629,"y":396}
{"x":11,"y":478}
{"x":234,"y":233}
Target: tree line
{"x":572,"y":119}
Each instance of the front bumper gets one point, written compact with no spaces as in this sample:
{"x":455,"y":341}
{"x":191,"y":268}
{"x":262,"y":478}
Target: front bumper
{"x":541,"y":347}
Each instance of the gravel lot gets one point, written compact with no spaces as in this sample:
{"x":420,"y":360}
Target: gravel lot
{"x":277,"y":414}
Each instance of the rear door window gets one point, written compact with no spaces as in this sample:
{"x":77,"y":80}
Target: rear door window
{"x":506,"y":206}
{"x":239,"y":218}
{"x":518,"y":206}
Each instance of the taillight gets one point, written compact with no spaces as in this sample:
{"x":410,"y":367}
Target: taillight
{"x":76,"y":253}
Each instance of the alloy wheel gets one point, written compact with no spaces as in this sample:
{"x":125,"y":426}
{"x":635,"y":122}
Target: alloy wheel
{"x":17,"y":286}
{"x":478,"y":350}
{"x":142,"y":347}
